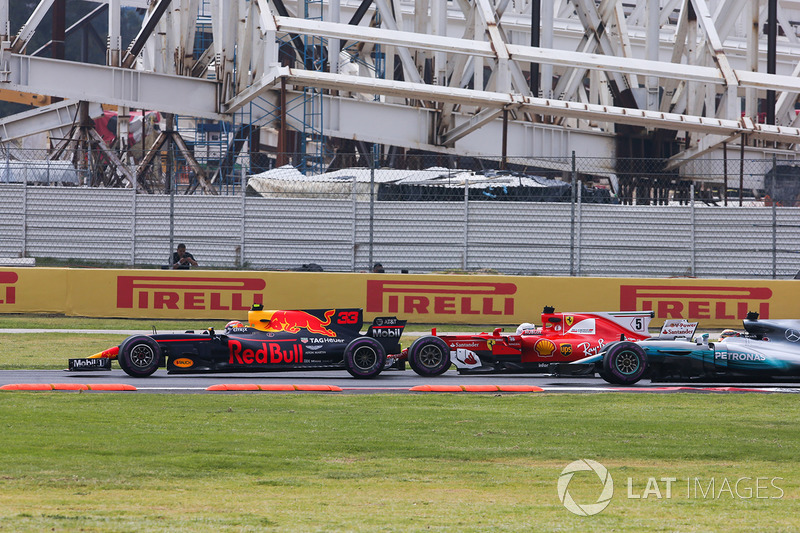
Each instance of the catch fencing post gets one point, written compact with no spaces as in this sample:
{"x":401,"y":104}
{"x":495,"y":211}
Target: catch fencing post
{"x":774,"y":218}
{"x":24,"y":211}
{"x":578,"y":227}
{"x":692,"y":230}
{"x":171,"y":183}
{"x":355,"y":223}
{"x":244,"y":217}
{"x":133,"y":221}
{"x":572,"y":219}
{"x":371,"y":205}
{"x":464,"y":256}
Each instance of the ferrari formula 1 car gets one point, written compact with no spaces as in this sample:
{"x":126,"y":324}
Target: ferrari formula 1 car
{"x":325,"y":339}
{"x":563,"y":337}
{"x":767,"y":349}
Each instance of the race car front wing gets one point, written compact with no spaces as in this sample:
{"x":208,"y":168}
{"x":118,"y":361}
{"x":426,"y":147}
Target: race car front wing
{"x":87,"y":364}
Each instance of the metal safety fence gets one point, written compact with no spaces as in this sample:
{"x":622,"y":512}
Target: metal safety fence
{"x":573,"y":216}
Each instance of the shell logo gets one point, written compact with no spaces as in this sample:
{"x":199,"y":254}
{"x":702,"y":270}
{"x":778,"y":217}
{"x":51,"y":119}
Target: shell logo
{"x":183,"y":362}
{"x":544,"y":347}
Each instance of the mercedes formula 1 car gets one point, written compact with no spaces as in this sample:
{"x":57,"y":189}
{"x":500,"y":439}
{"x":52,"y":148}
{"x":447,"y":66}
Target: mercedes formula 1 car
{"x":766,"y":349}
{"x":325,"y":339}
{"x":563,"y":337}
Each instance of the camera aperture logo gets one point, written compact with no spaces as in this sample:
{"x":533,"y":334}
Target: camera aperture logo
{"x":585,"y":509}
{"x":743,"y":487}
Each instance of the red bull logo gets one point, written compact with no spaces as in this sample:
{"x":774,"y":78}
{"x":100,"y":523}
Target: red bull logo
{"x":294,"y":321}
{"x":8,"y":294}
{"x":188,"y":293}
{"x":440,"y":297}
{"x":695,"y":302}
{"x":269,"y":353}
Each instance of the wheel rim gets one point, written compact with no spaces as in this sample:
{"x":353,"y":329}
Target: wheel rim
{"x":365,"y":357}
{"x":142,"y":356}
{"x":627,"y":363}
{"x":430,"y":356}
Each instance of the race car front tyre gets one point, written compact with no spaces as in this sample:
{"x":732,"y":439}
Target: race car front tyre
{"x":139,"y":356}
{"x":624,"y":363}
{"x":364,"y":357}
{"x":429,"y":356}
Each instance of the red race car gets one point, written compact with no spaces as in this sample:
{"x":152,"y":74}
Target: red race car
{"x":563,"y":337}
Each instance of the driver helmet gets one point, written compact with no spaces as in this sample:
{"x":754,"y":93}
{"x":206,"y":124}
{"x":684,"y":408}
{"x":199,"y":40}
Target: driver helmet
{"x":524,"y":327}
{"x":233,"y":324}
{"x":729,"y":333}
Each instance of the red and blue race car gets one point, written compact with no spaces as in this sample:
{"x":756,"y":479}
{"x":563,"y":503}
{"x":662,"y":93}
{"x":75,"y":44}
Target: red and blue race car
{"x":319,"y":339}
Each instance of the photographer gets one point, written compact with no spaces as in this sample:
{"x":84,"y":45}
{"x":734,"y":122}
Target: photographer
{"x":181,"y":259}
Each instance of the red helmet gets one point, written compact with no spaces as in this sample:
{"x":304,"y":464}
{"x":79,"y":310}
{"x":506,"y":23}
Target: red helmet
{"x":234,"y":324}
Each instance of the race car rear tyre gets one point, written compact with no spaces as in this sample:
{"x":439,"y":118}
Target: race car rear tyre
{"x":624,"y":363}
{"x":429,"y":356}
{"x":139,"y":356}
{"x":364,"y":357}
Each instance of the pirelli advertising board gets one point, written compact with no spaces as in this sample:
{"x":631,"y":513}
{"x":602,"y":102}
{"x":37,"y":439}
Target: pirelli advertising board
{"x":432,"y":299}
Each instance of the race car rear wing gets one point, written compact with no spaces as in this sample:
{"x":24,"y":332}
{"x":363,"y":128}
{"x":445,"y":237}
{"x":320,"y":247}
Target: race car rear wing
{"x":387,"y":330}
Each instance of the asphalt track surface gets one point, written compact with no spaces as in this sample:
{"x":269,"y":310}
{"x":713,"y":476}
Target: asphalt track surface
{"x":389,"y":381}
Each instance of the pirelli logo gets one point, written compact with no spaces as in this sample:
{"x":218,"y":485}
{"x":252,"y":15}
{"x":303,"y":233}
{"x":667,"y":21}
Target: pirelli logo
{"x":696,"y":301}
{"x":189,"y":293}
{"x":408,"y":297}
{"x":8,"y":293}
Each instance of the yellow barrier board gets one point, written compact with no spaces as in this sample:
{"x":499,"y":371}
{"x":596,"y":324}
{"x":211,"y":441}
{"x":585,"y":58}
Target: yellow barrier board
{"x":432,"y":299}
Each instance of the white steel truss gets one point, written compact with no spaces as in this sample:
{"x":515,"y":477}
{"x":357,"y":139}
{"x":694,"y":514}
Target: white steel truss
{"x":695,"y":67}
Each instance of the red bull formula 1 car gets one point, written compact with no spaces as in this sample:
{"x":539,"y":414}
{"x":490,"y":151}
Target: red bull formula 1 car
{"x":563,"y":338}
{"x":324,"y":339}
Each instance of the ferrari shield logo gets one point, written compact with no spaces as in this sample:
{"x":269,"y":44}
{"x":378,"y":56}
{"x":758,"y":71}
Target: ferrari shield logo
{"x":566,"y":350}
{"x":490,"y":344}
{"x":569,"y":320}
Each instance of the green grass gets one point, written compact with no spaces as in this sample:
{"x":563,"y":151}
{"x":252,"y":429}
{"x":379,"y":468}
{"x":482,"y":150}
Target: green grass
{"x":144,"y":462}
{"x":50,"y":351}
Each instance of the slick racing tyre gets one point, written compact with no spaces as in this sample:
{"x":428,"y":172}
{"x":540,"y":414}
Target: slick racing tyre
{"x":429,"y":356}
{"x":624,"y":363}
{"x":139,"y":356}
{"x":364,"y":357}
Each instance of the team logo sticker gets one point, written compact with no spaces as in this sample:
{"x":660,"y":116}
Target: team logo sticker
{"x":544,"y":348}
{"x":569,"y":320}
